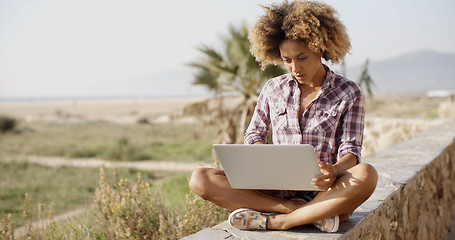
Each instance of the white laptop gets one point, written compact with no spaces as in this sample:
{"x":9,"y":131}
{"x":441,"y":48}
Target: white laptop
{"x":268,"y":166}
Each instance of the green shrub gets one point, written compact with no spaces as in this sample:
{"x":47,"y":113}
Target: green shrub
{"x":7,"y":124}
{"x":120,"y":150}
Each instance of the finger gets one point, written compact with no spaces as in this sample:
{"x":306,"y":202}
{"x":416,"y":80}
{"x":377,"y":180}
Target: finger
{"x":322,"y":164}
{"x":323,"y":185}
{"x":324,"y":182}
{"x":326,"y":167}
{"x":328,"y":172}
{"x":325,"y":175}
{"x":321,"y":178}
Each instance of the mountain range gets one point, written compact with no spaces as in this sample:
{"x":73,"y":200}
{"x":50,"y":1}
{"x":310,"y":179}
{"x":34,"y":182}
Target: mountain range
{"x":412,"y":73}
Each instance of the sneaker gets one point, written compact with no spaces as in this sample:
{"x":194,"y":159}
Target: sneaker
{"x":329,"y":225}
{"x":247,"y":219}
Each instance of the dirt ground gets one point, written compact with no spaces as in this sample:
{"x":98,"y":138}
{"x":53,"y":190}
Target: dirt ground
{"x":92,"y":109}
{"x":114,"y":110}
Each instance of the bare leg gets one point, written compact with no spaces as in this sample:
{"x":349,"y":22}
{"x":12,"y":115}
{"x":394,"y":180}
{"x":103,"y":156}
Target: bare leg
{"x":212,"y":184}
{"x":350,"y":191}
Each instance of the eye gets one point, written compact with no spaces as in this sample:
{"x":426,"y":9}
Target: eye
{"x":302,"y":58}
{"x":286,"y":60}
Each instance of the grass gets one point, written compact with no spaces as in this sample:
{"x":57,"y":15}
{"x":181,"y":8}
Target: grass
{"x":109,"y":141}
{"x":126,"y":208}
{"x":173,"y":190}
{"x":65,"y":187}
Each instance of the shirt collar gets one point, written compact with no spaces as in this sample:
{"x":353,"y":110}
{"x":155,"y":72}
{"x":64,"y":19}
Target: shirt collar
{"x":330,"y":77}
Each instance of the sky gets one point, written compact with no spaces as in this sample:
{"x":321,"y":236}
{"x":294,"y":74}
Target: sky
{"x":63,"y":48}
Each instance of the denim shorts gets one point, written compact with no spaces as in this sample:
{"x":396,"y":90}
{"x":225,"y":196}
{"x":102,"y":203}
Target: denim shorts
{"x":305,"y":195}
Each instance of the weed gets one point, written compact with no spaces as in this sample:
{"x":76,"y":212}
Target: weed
{"x":6,"y":227}
{"x":133,"y":210}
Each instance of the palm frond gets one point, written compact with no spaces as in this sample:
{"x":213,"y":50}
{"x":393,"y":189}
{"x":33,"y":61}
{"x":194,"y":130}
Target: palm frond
{"x":234,"y":68}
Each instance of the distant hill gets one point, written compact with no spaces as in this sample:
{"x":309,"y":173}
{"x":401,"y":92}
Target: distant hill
{"x":415,"y":72}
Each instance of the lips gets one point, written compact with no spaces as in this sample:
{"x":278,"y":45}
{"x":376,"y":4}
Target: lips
{"x":299,"y":77}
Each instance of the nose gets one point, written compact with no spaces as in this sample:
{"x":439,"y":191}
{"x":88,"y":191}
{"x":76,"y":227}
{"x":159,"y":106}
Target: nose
{"x":295,"y":67}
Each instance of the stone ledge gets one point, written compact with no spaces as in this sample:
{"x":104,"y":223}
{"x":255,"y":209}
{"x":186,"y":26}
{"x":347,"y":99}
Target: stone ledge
{"x":415,"y":185}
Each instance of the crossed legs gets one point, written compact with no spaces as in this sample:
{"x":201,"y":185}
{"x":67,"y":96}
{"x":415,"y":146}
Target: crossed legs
{"x":350,"y":190}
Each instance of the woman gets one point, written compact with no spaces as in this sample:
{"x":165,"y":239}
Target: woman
{"x":310,"y":105}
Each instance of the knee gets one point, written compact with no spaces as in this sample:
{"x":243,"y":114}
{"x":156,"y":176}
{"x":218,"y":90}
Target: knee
{"x":365,"y":178}
{"x":198,"y":182}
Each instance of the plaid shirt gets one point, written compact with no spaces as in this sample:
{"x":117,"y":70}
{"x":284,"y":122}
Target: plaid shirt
{"x":333,"y":122}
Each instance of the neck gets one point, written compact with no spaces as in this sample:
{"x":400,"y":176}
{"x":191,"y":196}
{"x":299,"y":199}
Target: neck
{"x":318,"y":78}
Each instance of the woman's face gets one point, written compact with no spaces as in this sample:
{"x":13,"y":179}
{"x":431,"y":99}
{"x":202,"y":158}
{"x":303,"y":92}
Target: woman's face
{"x":304,"y":65}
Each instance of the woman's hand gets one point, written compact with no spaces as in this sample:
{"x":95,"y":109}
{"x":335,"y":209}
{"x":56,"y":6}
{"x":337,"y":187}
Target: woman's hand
{"x":328,"y":177}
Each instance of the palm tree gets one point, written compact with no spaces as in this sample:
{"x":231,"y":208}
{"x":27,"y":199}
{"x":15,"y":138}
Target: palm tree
{"x":233,"y":70}
{"x":365,"y":80}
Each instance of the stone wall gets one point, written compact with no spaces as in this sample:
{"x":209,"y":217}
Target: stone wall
{"x":422,"y":208}
{"x":381,"y":133}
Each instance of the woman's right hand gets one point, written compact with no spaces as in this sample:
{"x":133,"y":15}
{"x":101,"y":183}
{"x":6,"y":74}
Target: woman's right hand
{"x":328,"y":177}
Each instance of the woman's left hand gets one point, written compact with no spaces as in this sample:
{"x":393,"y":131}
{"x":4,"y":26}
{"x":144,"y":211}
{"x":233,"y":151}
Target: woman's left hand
{"x":328,"y":177}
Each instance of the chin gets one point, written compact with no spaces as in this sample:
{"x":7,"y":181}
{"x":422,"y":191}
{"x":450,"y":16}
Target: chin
{"x":300,"y":80}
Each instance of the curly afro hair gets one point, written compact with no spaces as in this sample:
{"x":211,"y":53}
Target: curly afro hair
{"x":313,"y":23}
